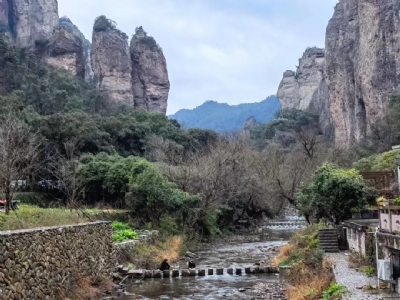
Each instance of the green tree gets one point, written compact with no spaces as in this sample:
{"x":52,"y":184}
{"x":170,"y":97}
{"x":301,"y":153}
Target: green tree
{"x":107,"y":177}
{"x":332,"y":194}
{"x":379,"y":162}
{"x":153,"y":196}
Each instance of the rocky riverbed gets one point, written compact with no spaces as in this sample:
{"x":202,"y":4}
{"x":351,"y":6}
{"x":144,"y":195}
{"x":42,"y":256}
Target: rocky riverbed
{"x":269,"y":291}
{"x":232,"y":252}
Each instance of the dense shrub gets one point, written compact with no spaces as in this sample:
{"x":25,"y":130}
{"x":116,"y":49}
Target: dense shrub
{"x":118,"y":226}
{"x":123,"y":235}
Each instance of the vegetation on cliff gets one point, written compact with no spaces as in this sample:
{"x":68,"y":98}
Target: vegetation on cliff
{"x":103,"y":24}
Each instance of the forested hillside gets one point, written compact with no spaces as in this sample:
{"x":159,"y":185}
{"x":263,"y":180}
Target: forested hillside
{"x":222,"y":117}
{"x":76,"y":148}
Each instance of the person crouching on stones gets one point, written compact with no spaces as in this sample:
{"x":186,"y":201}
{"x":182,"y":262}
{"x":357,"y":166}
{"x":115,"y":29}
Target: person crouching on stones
{"x":164,"y":265}
{"x":191,"y":264}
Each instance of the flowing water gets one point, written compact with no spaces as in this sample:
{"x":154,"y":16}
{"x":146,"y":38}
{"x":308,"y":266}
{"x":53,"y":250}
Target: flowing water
{"x":228,"y":255}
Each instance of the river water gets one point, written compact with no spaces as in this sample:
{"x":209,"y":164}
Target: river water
{"x":230,"y":254}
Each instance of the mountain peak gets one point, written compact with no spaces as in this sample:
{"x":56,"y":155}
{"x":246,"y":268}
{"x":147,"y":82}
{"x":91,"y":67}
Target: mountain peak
{"x":223,"y":117}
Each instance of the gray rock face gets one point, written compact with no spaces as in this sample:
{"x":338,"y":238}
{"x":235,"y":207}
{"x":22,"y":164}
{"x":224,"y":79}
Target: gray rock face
{"x":149,"y":74}
{"x":307,"y":88}
{"x":4,"y":10}
{"x":362,"y":63}
{"x":33,"y":21}
{"x":298,"y":89}
{"x":111,"y":64}
{"x":248,"y":125}
{"x":67,"y":24}
{"x":65,"y":51}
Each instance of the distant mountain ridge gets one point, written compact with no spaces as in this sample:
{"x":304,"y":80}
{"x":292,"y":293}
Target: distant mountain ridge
{"x":223,"y":117}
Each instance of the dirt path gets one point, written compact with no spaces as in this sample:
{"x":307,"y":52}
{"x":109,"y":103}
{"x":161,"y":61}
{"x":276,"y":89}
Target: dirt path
{"x":352,"y":279}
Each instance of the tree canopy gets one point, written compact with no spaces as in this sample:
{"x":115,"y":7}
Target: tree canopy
{"x":332,"y":194}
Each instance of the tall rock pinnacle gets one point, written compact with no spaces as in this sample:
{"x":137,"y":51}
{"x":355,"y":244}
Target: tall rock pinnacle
{"x":149,"y":73}
{"x":111,"y":61}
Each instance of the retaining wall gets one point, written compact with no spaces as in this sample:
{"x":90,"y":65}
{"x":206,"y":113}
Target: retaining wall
{"x":42,"y":263}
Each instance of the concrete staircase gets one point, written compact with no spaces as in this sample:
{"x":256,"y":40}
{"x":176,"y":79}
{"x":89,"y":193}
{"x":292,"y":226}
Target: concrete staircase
{"x":328,"y":240}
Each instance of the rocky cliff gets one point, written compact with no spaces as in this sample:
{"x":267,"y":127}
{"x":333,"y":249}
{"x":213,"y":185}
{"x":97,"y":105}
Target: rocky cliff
{"x":111,"y":61}
{"x":306,"y":88}
{"x":250,"y":123}
{"x":67,"y":24}
{"x":135,"y":76}
{"x":362,"y":64}
{"x":353,"y":84}
{"x":298,"y":89}
{"x":4,"y":14}
{"x":32,"y":21}
{"x":66,"y":51}
{"x":149,"y":73}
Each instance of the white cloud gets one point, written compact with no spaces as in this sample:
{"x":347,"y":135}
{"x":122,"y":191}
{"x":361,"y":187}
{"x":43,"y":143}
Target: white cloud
{"x":231,"y":51}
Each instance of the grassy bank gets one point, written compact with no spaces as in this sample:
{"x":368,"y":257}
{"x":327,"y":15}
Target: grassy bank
{"x":29,"y":216}
{"x":150,"y":255}
{"x":311,"y":276}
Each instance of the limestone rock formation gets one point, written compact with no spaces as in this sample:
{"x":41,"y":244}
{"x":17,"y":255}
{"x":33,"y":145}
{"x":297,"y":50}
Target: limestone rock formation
{"x":111,"y":61}
{"x":32,"y":21}
{"x":298,"y":89}
{"x":307,"y":89}
{"x":362,"y":64}
{"x":67,"y":24}
{"x":250,"y":123}
{"x":66,"y":51}
{"x":149,"y":73}
{"x":4,"y":14}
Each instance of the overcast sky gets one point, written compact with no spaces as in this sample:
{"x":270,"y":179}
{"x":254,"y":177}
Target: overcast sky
{"x":231,"y":51}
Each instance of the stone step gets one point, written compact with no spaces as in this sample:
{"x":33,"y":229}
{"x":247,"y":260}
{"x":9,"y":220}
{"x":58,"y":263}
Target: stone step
{"x":327,"y":236}
{"x":327,"y":249}
{"x":331,"y":250}
{"x":328,"y":242}
{"x":136,"y":273}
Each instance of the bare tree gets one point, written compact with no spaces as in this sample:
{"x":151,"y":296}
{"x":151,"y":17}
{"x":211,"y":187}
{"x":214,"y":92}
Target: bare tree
{"x":65,"y":168}
{"x":20,"y":152}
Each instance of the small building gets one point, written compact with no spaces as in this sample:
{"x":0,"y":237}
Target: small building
{"x":388,"y":238}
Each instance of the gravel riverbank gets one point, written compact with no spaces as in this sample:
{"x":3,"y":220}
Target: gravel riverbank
{"x":269,"y":291}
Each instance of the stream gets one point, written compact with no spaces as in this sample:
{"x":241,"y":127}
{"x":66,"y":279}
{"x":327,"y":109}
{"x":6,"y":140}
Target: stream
{"x":233,"y":253}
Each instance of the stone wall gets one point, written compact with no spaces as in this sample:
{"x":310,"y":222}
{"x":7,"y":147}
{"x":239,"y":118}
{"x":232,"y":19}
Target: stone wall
{"x":356,"y":240}
{"x":41,"y":263}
